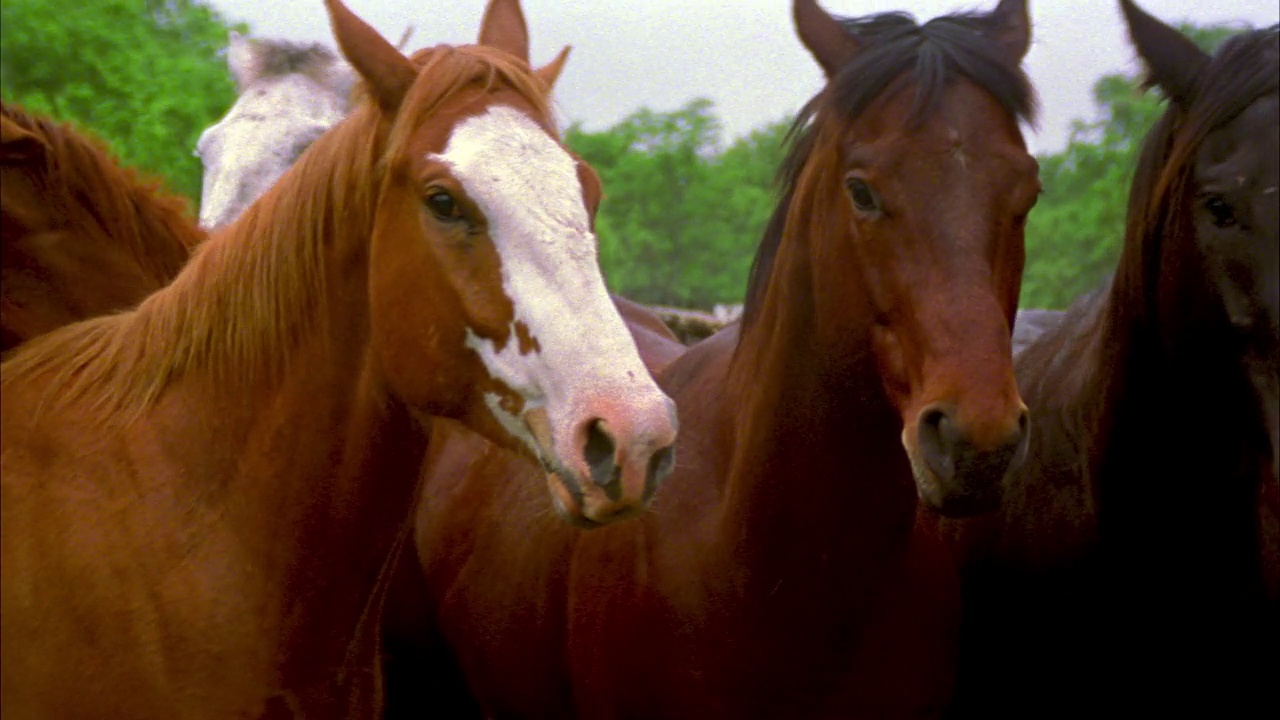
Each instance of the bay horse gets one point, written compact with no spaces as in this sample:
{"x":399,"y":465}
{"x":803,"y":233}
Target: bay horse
{"x":1135,"y":563}
{"x":199,"y":495}
{"x":82,"y":234}
{"x":781,"y":572}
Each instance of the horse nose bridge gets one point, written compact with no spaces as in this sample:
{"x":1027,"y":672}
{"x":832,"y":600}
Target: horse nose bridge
{"x":969,"y":354}
{"x":976,"y":385}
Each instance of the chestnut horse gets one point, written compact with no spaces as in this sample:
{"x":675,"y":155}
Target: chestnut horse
{"x":199,"y":495}
{"x":1134,"y":563}
{"x":781,"y":573}
{"x":290,"y":95}
{"x":82,"y":234}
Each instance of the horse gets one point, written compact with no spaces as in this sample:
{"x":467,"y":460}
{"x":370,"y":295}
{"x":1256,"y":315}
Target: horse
{"x":1030,"y":324}
{"x":82,"y":234}
{"x":781,"y":571}
{"x":289,"y":94}
{"x":1135,"y":561}
{"x":199,"y":495}
{"x":282,"y":85}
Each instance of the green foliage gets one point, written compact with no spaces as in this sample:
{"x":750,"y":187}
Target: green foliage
{"x":682,"y":215}
{"x":1076,"y":230}
{"x":145,"y":76}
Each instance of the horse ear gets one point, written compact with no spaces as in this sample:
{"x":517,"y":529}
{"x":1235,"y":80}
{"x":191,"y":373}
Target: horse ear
{"x":825,"y":37}
{"x":17,"y":143}
{"x":1175,"y":63}
{"x":504,"y":28}
{"x":242,"y":60}
{"x":387,"y":72}
{"x":550,"y":72}
{"x":1011,"y":28}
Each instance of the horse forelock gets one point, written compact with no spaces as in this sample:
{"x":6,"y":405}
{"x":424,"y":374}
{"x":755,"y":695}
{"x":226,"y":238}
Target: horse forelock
{"x":445,"y":71}
{"x":935,"y":53}
{"x":895,"y":50}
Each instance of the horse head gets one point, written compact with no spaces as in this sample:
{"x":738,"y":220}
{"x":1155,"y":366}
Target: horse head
{"x":1216,"y":155}
{"x":484,"y":221}
{"x":923,"y":183}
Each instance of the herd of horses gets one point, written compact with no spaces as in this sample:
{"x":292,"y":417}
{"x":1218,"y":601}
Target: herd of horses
{"x":295,"y":461}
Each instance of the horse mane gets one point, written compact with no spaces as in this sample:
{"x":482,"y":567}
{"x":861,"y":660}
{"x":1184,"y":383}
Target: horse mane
{"x":256,"y":288}
{"x":84,"y":185}
{"x":1243,"y":70}
{"x":895,"y":50}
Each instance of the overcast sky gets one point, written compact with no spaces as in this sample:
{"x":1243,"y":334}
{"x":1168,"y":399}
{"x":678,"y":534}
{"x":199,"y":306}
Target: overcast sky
{"x":743,"y":55}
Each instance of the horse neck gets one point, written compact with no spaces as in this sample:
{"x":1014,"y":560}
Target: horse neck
{"x":315,"y":459}
{"x":1177,"y":464}
{"x":818,"y":474}
{"x":1168,"y":362}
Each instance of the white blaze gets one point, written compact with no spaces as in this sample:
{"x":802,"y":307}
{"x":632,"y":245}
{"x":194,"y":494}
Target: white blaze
{"x":528,"y":188}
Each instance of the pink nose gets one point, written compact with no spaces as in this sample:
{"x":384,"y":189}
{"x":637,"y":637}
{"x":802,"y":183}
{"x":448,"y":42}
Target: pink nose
{"x":618,"y":456}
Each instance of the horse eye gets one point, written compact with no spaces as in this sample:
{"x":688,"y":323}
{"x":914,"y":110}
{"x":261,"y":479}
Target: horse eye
{"x":862,"y":196}
{"x":443,"y":206}
{"x":1223,"y":215}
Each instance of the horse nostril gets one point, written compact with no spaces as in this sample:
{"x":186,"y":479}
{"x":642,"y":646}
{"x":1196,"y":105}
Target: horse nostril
{"x":938,"y":435}
{"x":599,"y":452}
{"x":660,"y":466}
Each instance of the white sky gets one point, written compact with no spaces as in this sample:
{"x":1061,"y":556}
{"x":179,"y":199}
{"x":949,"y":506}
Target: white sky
{"x":742,"y":55}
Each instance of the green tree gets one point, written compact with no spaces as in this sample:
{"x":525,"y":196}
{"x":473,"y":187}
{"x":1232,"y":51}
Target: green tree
{"x":1075,"y":232}
{"x":145,"y":76}
{"x":682,"y":214}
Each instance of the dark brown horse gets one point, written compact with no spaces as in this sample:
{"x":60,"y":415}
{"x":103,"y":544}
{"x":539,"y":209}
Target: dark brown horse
{"x":781,"y":572}
{"x":82,"y":234}
{"x":1134,"y":563}
{"x":199,"y":495}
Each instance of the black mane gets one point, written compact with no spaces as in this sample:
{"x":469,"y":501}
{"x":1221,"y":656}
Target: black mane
{"x":894,"y":44}
{"x":1243,"y":70}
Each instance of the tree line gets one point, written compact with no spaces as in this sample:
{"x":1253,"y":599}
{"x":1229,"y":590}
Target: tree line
{"x":683,"y":209}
